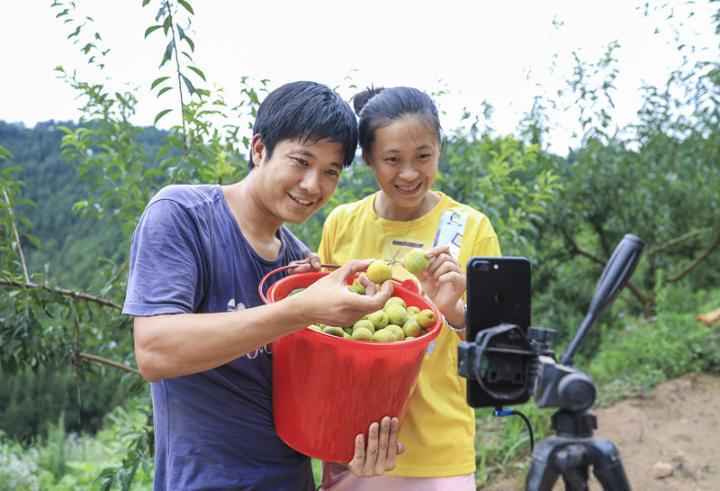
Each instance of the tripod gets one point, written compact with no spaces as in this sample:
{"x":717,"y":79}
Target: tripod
{"x":506,"y":363}
{"x":573,"y":449}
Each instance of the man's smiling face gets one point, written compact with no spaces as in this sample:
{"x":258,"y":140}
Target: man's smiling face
{"x":299,"y":177}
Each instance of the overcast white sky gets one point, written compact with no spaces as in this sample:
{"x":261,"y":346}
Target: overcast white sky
{"x":499,"y":51}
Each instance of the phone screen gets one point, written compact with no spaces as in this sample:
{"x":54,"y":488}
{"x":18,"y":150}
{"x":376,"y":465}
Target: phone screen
{"x":498,"y":292}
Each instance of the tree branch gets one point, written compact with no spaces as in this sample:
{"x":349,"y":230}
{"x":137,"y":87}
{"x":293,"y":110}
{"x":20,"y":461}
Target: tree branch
{"x":64,"y":292}
{"x":643,"y":298}
{"x":87,"y":357}
{"x":714,"y":245}
{"x":676,"y":241}
{"x":17,"y":237}
{"x":575,"y":249}
{"x":179,"y":79}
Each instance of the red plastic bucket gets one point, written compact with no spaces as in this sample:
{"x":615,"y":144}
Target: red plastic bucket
{"x":327,"y":390}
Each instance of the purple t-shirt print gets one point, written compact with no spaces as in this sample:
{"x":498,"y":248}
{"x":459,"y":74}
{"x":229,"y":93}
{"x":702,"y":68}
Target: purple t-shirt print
{"x":213,"y":430}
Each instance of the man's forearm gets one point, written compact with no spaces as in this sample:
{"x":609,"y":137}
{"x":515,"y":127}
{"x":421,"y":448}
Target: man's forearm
{"x":169,"y":346}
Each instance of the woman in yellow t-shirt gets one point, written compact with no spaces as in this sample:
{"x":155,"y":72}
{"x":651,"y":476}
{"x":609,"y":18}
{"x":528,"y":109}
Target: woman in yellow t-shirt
{"x":400,"y":138}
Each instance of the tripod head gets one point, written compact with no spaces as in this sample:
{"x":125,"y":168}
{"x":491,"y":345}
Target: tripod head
{"x":526,"y":364}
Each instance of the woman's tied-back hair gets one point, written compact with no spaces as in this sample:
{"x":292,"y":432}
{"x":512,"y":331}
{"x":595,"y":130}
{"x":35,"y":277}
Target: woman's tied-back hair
{"x":377,"y":107}
{"x":309,"y":112}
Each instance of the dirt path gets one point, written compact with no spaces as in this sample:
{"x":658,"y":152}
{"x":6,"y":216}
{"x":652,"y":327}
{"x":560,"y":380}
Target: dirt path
{"x":674,"y":430}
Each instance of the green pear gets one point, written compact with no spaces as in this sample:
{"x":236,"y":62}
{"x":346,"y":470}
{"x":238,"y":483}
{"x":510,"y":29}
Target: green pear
{"x":357,"y":287}
{"x":364,"y":324}
{"x":379,"y":271}
{"x":415,"y":261}
{"x":413,"y":310}
{"x":396,"y":313}
{"x":315,"y":327}
{"x":362,"y":334}
{"x":397,"y":331}
{"x":384,"y":336}
{"x":379,"y":319}
{"x":425,"y":318}
{"x":335,"y":331}
{"x":394,"y":300}
{"x":412,"y":328}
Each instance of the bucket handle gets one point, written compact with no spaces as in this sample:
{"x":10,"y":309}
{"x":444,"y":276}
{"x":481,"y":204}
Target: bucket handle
{"x":408,"y":284}
{"x":261,"y":286}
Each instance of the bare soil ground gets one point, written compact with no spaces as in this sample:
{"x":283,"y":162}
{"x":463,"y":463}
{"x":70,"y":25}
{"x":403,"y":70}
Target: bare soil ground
{"x":669,"y":440}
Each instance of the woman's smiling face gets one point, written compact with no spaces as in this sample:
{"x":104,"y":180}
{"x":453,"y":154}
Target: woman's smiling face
{"x":404,"y":157}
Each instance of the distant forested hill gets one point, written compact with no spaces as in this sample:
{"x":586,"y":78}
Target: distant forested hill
{"x":54,"y":186}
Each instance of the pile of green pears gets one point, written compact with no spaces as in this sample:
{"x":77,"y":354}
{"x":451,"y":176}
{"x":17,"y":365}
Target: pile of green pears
{"x":396,"y":321}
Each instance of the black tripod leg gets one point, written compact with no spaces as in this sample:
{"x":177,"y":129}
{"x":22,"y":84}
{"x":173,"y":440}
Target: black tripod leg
{"x":573,"y":464}
{"x":607,"y":466}
{"x":542,"y":474}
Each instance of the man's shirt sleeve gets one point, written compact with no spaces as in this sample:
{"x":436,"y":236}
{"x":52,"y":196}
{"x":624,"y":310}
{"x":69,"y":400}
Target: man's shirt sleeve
{"x":165,"y":266}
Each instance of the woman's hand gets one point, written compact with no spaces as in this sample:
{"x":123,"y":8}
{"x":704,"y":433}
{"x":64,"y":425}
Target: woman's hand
{"x":382,"y":448}
{"x":444,"y":283}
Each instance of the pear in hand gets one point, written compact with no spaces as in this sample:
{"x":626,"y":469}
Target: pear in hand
{"x":379,"y":271}
{"x":416,"y":261}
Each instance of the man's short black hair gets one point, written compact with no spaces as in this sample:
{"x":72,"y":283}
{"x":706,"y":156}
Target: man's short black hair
{"x":306,"y":111}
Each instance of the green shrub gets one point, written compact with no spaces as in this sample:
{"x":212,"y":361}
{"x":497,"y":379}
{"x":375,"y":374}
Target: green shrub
{"x":18,"y":467}
{"x":647,"y":352}
{"x":30,"y":401}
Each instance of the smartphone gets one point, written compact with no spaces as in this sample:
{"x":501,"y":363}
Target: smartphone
{"x":498,"y":292}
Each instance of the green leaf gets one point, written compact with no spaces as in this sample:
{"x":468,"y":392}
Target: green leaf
{"x":163,"y":90}
{"x":157,"y":82}
{"x":145,"y":2}
{"x":185,"y":37}
{"x":187,"y":6}
{"x":151,"y":29}
{"x":74,"y":33}
{"x":167,"y":24}
{"x":80,"y":205}
{"x":188,"y":84}
{"x":168,"y":53}
{"x":160,"y":115}
{"x":5,"y":153}
{"x":198,"y":71}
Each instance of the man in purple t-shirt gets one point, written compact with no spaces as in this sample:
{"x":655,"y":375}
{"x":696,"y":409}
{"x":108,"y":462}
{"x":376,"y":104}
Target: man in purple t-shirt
{"x":201,"y":331}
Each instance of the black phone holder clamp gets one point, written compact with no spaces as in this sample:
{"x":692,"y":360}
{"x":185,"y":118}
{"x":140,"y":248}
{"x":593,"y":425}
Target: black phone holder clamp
{"x":500,"y":361}
{"x":509,"y":365}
